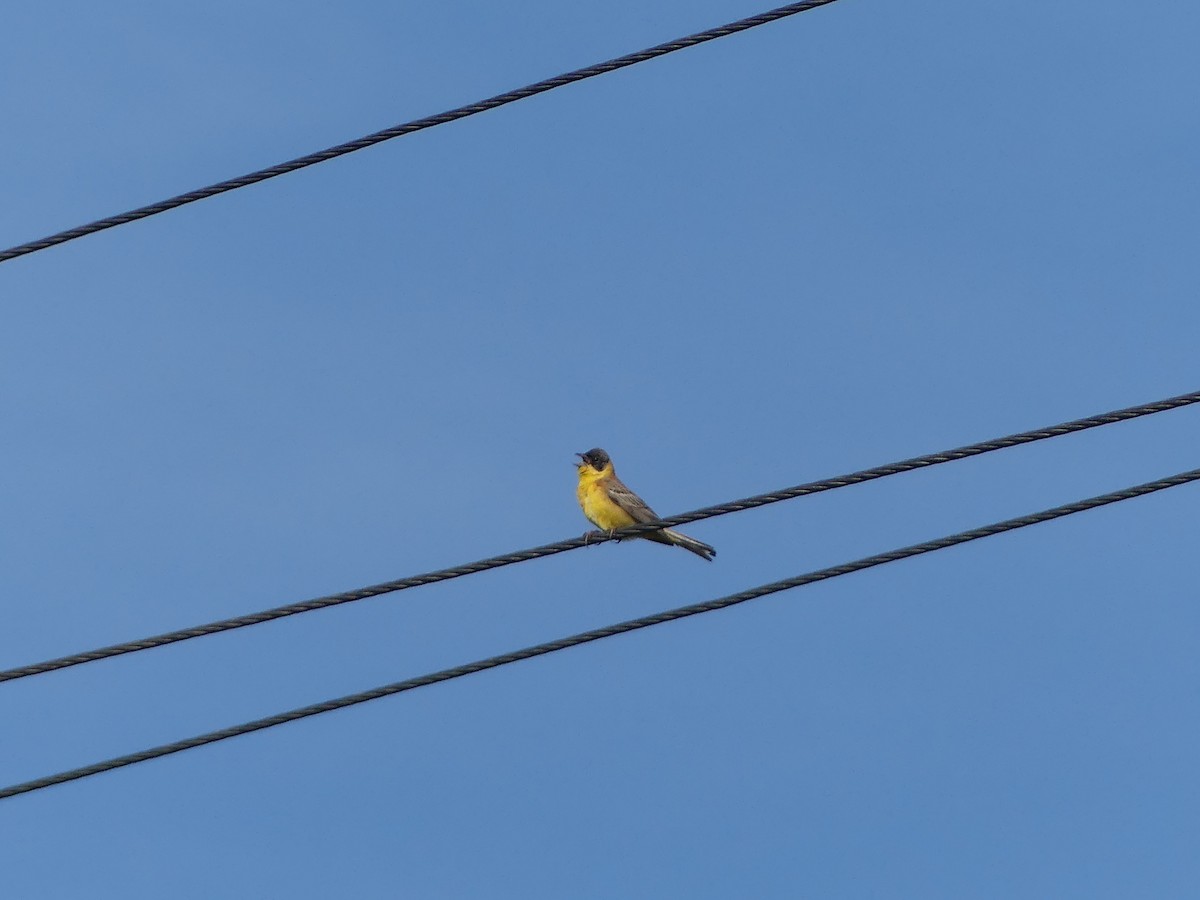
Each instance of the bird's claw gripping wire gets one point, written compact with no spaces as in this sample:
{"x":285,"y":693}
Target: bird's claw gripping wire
{"x":589,"y":536}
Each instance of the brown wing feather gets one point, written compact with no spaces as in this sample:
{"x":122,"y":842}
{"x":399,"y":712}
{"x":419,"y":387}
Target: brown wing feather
{"x":629,"y":501}
{"x":642,"y":513}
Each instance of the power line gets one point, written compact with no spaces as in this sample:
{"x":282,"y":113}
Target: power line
{"x":415,"y":125}
{"x":596,"y":634}
{"x":495,"y":562}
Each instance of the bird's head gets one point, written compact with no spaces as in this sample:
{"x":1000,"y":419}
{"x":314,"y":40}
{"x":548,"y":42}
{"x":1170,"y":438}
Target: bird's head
{"x":593,"y":462}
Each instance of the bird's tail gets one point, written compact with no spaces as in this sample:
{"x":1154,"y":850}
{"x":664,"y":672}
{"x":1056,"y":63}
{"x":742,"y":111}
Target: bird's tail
{"x":667,"y":536}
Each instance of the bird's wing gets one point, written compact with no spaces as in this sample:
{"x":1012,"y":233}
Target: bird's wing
{"x":619,"y":494}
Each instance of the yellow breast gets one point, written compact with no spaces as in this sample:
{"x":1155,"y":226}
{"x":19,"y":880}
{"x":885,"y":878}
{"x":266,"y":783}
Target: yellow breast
{"x":596,"y":504}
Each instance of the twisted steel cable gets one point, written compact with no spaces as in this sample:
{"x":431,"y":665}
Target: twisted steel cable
{"x":495,"y":562}
{"x":596,"y":634}
{"x":415,"y":125}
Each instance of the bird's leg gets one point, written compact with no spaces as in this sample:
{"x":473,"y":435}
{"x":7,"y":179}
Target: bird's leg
{"x":589,"y":536}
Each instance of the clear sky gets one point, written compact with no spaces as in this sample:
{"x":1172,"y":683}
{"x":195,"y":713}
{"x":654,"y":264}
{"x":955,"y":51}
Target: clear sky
{"x":870,"y":231}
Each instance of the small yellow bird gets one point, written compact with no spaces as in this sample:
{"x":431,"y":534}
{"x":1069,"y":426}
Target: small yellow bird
{"x":610,"y":505}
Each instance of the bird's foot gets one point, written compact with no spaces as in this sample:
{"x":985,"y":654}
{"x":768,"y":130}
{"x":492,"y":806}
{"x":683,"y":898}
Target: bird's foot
{"x":589,"y":536}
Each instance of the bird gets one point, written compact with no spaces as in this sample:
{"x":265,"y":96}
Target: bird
{"x":610,"y":505}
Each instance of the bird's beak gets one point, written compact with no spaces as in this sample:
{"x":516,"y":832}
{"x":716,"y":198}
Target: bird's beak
{"x":579,"y":462}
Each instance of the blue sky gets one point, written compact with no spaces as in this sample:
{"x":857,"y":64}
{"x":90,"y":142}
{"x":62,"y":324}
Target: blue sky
{"x":866,"y":232}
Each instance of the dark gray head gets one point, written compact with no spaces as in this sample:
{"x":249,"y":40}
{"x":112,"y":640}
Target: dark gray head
{"x":596,"y":458}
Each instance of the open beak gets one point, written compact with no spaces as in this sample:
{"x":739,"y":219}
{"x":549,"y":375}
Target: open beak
{"x":579,"y":462}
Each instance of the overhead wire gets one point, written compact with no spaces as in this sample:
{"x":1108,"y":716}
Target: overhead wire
{"x":495,"y":562}
{"x":413,"y":126}
{"x":596,"y":634}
